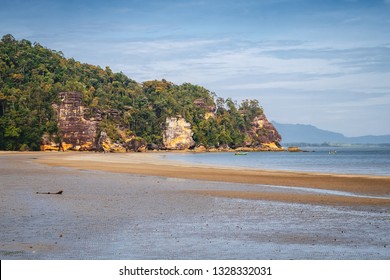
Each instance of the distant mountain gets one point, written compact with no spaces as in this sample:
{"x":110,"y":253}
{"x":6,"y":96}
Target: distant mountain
{"x":302,"y":133}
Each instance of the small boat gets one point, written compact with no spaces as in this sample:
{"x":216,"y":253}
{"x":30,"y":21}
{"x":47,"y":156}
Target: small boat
{"x":240,"y":153}
{"x":333,"y":152}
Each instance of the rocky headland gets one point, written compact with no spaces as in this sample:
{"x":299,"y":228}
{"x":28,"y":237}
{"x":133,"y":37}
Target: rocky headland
{"x":79,"y":132}
{"x":49,"y":102}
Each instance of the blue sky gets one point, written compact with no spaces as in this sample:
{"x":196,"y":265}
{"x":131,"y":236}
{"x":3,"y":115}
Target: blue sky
{"x":325,"y":63}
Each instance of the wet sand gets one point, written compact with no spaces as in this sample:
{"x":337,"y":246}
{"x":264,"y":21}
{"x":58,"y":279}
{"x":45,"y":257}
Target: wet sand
{"x":138,"y":206}
{"x":368,"y":187}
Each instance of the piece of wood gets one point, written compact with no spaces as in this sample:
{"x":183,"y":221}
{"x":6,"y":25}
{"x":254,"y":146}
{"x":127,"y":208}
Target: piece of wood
{"x":59,"y":192}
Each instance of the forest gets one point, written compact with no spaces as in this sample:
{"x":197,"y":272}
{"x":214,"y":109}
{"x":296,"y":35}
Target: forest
{"x":32,"y":76}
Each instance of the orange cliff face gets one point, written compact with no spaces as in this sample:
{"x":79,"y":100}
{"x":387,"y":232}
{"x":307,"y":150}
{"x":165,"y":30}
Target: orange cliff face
{"x":262,"y":136}
{"x":177,"y":134}
{"x":76,"y":132}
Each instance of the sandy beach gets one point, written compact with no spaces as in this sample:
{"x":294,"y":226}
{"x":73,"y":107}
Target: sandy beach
{"x":139,"y":206}
{"x":368,"y":187}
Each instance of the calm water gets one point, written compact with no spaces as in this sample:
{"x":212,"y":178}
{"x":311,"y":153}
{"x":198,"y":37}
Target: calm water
{"x":370,"y":160}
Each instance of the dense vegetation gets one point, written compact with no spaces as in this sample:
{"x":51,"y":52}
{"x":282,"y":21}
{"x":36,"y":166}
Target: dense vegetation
{"x":31,"y":76}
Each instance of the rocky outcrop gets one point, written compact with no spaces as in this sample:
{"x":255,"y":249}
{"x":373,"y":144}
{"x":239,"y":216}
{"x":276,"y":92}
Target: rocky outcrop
{"x":265,"y":130}
{"x":209,"y":109}
{"x":294,"y":149}
{"x":76,"y":131}
{"x":264,"y":135}
{"x":105,"y":144}
{"x":81,"y":133}
{"x":177,"y":134}
{"x":48,"y":143}
{"x":125,"y":143}
{"x":138,"y":144}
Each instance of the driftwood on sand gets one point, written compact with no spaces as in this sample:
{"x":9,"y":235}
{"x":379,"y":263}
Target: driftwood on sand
{"x":59,"y":192}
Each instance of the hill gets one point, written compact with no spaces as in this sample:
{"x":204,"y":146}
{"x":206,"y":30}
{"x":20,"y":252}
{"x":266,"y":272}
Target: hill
{"x":301,"y":133}
{"x":47,"y":100}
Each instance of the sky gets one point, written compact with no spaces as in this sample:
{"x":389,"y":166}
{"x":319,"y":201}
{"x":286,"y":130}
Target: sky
{"x":324,"y":63}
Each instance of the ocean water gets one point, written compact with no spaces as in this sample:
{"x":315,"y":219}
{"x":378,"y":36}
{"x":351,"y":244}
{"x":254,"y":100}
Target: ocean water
{"x":346,"y":160}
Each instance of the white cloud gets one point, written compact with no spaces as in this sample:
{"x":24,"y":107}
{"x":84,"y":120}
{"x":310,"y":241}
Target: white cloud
{"x":251,"y":67}
{"x":160,"y":47}
{"x":366,"y":82}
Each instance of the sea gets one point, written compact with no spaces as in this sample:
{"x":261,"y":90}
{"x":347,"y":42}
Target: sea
{"x":366,"y":160}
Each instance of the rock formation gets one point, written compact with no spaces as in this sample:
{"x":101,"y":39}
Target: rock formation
{"x":177,"y":134}
{"x":48,"y":143}
{"x":264,"y":134}
{"x":137,"y":144}
{"x":76,"y":132}
{"x":209,"y":109}
{"x":105,"y":144}
{"x":79,"y":133}
{"x":123,"y":144}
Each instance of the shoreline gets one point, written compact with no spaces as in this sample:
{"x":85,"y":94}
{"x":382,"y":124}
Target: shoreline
{"x":150,"y":165}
